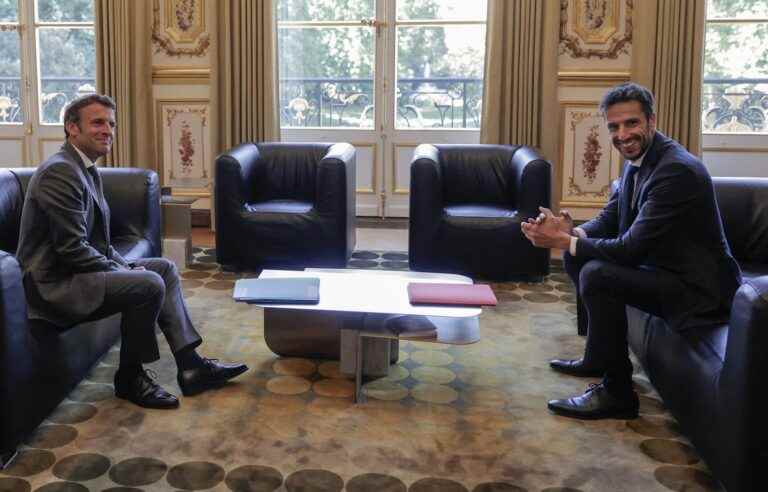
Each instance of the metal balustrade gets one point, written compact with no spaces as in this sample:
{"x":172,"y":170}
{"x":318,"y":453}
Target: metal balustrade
{"x":424,"y":102}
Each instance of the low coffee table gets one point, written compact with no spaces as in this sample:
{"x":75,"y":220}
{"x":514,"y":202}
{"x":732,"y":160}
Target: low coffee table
{"x":361,"y":316}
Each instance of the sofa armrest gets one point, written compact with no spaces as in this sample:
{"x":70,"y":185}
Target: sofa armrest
{"x":335,"y":191}
{"x":335,"y":185}
{"x":533,"y":181}
{"x":426,"y":203}
{"x":233,"y":188}
{"x":133,"y":196}
{"x":14,"y":341}
{"x":746,"y":364}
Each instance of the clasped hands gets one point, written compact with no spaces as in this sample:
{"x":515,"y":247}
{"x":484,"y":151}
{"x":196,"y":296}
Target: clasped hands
{"x":548,"y":230}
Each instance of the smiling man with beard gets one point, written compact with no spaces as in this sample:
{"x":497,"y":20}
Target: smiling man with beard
{"x":658,"y":245}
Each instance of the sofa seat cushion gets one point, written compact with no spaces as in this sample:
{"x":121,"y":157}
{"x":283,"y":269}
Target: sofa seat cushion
{"x":280,"y":207}
{"x":478,"y":210}
{"x":752,"y":270}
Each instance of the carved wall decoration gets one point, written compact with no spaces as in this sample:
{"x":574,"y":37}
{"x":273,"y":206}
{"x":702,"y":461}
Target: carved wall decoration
{"x":179,"y":29}
{"x":184,"y":137}
{"x":594,"y":28}
{"x":590,"y":163}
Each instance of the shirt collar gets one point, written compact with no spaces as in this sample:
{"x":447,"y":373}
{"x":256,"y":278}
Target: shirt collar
{"x":639,"y":161}
{"x":86,"y":161}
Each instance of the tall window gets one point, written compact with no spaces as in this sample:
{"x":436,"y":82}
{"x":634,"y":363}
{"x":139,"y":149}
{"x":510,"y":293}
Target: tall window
{"x":440,"y":53}
{"x":736,"y":67}
{"x":332,"y":52}
{"x":47,"y":58}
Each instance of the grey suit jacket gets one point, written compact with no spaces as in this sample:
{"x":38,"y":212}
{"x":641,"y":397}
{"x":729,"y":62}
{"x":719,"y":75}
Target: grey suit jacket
{"x":675,"y":228}
{"x":64,"y":244}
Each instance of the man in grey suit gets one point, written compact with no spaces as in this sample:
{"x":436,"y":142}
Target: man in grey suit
{"x":658,"y":245}
{"x":73,"y":274}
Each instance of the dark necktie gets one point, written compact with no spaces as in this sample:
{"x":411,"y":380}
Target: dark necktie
{"x":96,"y":183}
{"x":627,"y":197}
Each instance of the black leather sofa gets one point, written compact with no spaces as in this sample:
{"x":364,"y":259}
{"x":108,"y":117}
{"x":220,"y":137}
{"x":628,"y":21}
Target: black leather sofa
{"x":285,"y":205}
{"x":40,"y":365}
{"x":466,"y":206}
{"x":712,"y":378}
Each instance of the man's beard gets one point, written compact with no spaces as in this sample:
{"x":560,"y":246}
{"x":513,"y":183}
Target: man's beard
{"x":634,"y":147}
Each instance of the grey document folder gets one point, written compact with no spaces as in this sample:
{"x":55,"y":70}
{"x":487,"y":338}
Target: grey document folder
{"x":294,"y":290}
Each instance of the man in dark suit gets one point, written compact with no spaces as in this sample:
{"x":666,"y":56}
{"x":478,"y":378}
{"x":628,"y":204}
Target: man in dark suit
{"x":73,"y":274}
{"x":657,"y":245}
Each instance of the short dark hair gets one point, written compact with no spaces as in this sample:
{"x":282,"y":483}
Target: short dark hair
{"x":72,"y":112}
{"x":629,"y":91}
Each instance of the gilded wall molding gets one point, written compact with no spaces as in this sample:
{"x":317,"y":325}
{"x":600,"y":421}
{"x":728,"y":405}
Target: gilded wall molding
{"x":582,"y":78}
{"x":180,"y":75}
{"x":592,"y":28}
{"x":182,"y":23}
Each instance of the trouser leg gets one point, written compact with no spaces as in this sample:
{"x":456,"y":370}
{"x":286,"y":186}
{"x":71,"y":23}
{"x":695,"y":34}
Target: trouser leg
{"x":174,"y":320}
{"x":572,"y":267}
{"x":138,"y":296}
{"x":606,"y":289}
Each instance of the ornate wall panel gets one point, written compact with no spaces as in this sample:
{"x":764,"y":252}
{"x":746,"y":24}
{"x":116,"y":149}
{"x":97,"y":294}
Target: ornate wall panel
{"x":179,"y":28}
{"x":595,"y":34}
{"x":183,"y":135}
{"x":588,"y":158}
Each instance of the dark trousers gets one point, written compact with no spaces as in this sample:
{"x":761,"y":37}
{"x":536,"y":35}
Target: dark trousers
{"x":145,"y":298}
{"x":604,"y":290}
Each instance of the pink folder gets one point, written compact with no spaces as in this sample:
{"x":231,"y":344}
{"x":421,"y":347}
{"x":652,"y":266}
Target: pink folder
{"x":450,"y":294}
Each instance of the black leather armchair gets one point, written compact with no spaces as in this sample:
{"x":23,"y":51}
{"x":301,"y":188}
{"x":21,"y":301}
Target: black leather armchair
{"x":285,"y":204}
{"x":40,"y":365}
{"x":467,"y":204}
{"x":712,"y":378}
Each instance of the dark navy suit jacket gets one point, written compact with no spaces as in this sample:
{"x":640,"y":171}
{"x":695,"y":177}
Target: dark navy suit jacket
{"x":675,"y":228}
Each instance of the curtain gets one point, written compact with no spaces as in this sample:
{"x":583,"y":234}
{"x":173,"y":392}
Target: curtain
{"x":520,"y":83}
{"x":668,"y":59}
{"x":124,"y":72}
{"x":246,"y":73}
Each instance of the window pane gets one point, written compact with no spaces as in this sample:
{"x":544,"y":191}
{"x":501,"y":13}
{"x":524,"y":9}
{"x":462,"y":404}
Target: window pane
{"x":737,"y":9}
{"x":736,"y":51}
{"x":440,"y":76}
{"x":735,"y":97}
{"x":9,"y":10}
{"x":10,"y":78}
{"x":326,"y":77}
{"x":67,"y":68}
{"x":324,"y":10}
{"x":441,"y":10}
{"x":65,"y":10}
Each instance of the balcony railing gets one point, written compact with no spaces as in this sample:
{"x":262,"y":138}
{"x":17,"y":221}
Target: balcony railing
{"x":735,"y":105}
{"x":56,"y":93}
{"x":349,"y":102}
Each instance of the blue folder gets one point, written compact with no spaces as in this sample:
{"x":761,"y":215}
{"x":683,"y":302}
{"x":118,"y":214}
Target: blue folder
{"x":282,"y":290}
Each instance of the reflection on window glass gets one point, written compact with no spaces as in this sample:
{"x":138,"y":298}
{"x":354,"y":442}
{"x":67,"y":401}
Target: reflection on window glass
{"x":65,"y":10}
{"x":67,"y":68}
{"x":10,"y":78}
{"x":441,"y":10}
{"x":326,"y":76}
{"x":9,"y":10}
{"x":735,"y":92}
{"x":440,"y":76}
{"x":324,"y":10}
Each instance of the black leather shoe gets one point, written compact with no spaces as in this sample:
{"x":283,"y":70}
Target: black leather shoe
{"x":575,"y":367}
{"x":597,"y":403}
{"x":142,"y":390}
{"x":210,"y":375}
